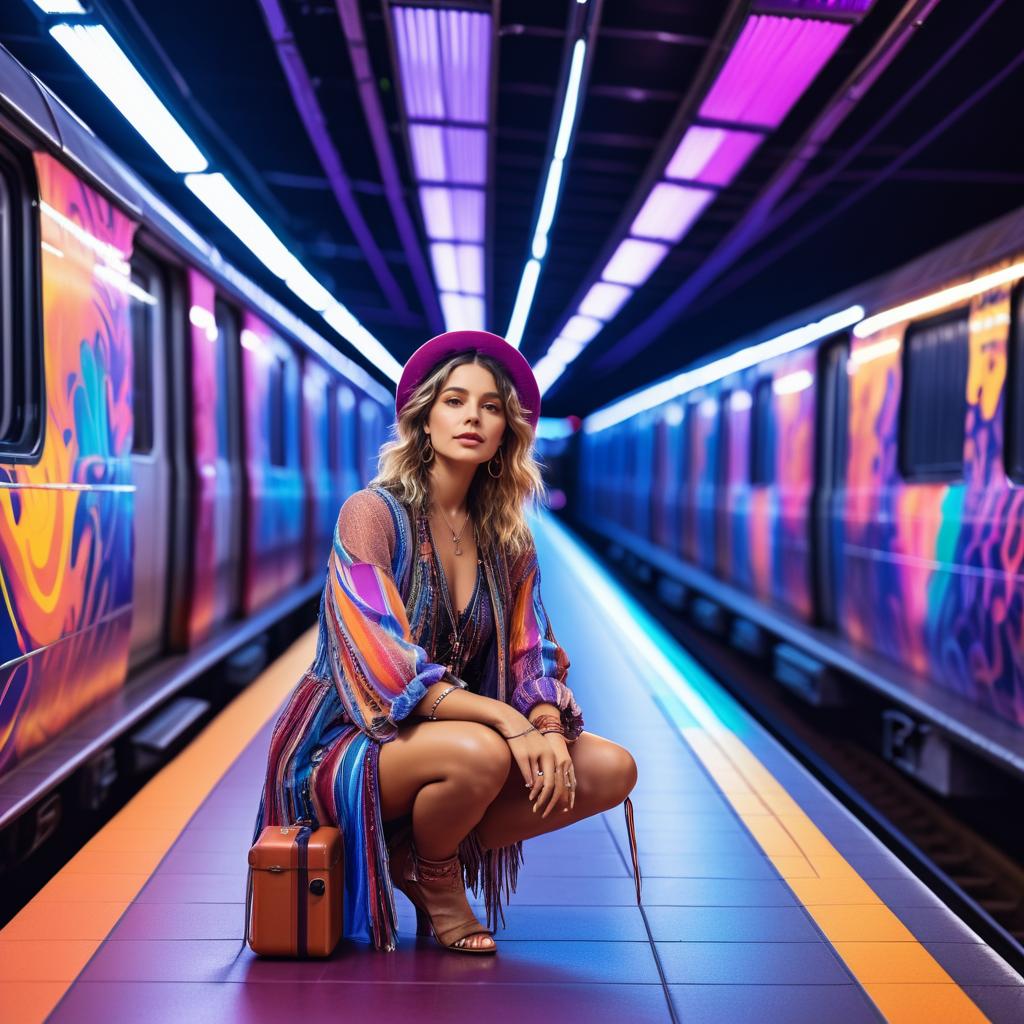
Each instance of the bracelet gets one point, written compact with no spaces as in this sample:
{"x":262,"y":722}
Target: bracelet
{"x":560,"y":731}
{"x":518,"y":734}
{"x":548,"y":722}
{"x":438,"y":701}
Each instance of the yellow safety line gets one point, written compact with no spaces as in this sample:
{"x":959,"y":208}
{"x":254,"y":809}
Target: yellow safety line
{"x":904,"y":980}
{"x":45,"y":947}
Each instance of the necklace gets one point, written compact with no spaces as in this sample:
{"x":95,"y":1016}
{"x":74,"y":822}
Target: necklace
{"x":455,"y":539}
{"x":455,"y":634}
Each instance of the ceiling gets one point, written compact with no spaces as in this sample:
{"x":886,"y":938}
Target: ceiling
{"x":931,"y":150}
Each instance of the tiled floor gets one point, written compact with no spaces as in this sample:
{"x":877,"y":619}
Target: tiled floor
{"x":722,"y":936}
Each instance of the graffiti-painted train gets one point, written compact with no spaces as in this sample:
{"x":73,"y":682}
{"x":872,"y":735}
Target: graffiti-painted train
{"x":174,"y":444}
{"x":852,"y":487}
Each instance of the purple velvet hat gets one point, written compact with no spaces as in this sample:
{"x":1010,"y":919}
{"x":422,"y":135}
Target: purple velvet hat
{"x":430,"y":353}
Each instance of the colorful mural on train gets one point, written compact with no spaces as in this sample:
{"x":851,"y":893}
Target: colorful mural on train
{"x":66,"y":520}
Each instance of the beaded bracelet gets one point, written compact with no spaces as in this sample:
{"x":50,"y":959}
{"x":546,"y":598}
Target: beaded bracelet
{"x":438,"y":701}
{"x":551,"y":723}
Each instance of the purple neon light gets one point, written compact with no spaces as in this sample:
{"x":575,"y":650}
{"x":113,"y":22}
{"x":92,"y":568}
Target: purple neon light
{"x":604,"y":300}
{"x":453,"y":214}
{"x":711,"y":155}
{"x":444,"y":56}
{"x":458,"y":268}
{"x":462,"y":312}
{"x":465,"y":60}
{"x":634,"y":261}
{"x":669,"y":211}
{"x":774,"y":60}
{"x":419,"y":58}
{"x":457,"y":156}
{"x":825,"y":6}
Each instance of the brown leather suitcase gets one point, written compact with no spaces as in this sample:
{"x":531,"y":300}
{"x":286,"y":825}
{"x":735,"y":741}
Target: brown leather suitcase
{"x":298,"y":885}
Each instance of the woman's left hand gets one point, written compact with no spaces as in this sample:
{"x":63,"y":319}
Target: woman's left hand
{"x":565,"y":775}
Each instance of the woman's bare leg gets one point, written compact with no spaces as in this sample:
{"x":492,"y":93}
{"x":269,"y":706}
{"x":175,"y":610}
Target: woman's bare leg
{"x":605,"y":775}
{"x":446,"y":774}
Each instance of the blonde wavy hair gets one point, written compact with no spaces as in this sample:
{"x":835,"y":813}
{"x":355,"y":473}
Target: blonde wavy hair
{"x":497,"y":506}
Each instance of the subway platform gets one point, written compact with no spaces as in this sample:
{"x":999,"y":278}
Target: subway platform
{"x":763,"y":898}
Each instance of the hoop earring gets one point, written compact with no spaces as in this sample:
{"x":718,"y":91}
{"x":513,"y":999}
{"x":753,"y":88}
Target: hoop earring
{"x":501,"y":459}
{"x":430,"y":448}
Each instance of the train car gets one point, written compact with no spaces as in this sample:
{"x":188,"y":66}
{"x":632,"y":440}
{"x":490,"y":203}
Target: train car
{"x":174,"y":449}
{"x":858,"y":495}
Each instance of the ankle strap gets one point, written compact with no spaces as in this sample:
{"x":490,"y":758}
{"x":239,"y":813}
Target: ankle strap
{"x":434,"y":870}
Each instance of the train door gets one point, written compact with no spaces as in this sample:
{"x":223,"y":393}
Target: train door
{"x":722,"y":489}
{"x":831,"y":430}
{"x":230,"y":502}
{"x":349,"y":442}
{"x":151,"y":457}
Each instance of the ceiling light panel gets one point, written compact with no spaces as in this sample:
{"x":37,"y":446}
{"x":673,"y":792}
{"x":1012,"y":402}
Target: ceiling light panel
{"x":713,"y":156}
{"x":604,"y":300}
{"x":634,"y":261}
{"x":669,"y":211}
{"x":444,"y":63}
{"x":773,"y":62}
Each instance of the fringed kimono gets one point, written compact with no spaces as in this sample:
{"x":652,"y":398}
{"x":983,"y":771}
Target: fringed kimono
{"x":370,"y":671}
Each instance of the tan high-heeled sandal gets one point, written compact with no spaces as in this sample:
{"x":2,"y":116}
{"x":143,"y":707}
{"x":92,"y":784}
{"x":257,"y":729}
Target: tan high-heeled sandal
{"x":437,"y":891}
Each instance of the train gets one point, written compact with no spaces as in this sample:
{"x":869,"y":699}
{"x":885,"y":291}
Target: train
{"x":850,"y":483}
{"x":174,"y":447}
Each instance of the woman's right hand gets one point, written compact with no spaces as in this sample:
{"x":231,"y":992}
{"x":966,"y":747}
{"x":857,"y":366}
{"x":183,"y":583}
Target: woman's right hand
{"x":536,"y":761}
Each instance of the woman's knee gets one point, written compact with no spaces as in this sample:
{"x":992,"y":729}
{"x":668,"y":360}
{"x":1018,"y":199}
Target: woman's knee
{"x":610,"y":777}
{"x":480,"y":758}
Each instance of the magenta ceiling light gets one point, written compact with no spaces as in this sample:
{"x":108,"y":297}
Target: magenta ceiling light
{"x":669,"y":211}
{"x":634,"y":261}
{"x":712,"y":156}
{"x":444,"y":64}
{"x":604,"y":300}
{"x":773,"y":62}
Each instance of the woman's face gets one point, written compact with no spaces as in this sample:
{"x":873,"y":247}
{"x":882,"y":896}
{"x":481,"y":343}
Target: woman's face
{"x":469,"y":403}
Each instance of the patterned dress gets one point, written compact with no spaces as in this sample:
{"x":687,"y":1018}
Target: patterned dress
{"x":381,"y":624}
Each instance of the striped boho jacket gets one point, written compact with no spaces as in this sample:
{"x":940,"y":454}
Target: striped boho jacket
{"x":368,"y":675}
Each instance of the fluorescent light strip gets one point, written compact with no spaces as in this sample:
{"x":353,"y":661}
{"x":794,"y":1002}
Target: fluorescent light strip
{"x":60,"y":6}
{"x":549,"y":202}
{"x":227,"y":204}
{"x":937,"y":300}
{"x":524,"y":299}
{"x":771,"y":65}
{"x":95,"y":52}
{"x":689,"y":380}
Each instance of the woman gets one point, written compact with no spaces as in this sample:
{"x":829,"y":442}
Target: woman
{"x":434,"y":725}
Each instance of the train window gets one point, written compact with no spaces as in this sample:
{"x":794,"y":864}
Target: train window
{"x":762,"y":430}
{"x":227,"y":350}
{"x":275,"y":405}
{"x":145,"y":312}
{"x":21,"y":376}
{"x":1015,"y":399}
{"x":934,"y":405}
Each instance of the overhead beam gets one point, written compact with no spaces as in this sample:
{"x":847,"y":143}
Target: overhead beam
{"x":355,"y":39}
{"x":313,"y":120}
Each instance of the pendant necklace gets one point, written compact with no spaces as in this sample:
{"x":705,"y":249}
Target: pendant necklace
{"x":455,"y":539}
{"x":455,"y":634}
